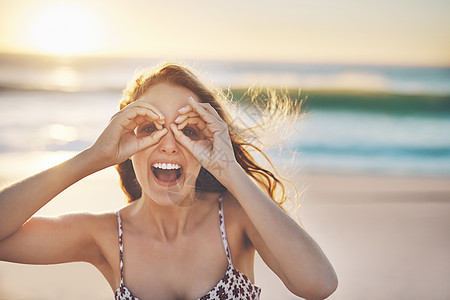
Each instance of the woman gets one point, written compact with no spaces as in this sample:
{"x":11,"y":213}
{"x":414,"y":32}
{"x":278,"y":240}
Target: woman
{"x":195,"y":215}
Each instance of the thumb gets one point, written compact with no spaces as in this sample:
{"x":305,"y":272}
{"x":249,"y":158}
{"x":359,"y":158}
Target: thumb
{"x":150,"y":140}
{"x":181,"y":138}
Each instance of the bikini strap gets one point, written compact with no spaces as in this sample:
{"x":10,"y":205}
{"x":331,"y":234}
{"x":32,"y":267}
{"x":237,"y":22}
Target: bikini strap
{"x":222,"y":230}
{"x":120,"y":245}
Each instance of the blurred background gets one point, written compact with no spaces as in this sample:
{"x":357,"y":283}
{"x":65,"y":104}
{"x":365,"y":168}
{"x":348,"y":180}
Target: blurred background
{"x":372,"y":149}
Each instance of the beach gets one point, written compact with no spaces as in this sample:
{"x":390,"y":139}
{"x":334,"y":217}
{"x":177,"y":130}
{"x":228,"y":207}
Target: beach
{"x":386,"y":236}
{"x":370,"y":155}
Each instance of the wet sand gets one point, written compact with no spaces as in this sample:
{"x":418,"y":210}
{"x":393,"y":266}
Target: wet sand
{"x":388,"y":238}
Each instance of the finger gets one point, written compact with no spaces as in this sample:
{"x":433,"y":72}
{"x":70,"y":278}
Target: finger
{"x":134,"y":111}
{"x":158,"y":125}
{"x":185,"y":109}
{"x":208,"y":107}
{"x":143,"y":120}
{"x":129,"y":119}
{"x":181,"y":138}
{"x":201,"y":125}
{"x":148,"y":141}
{"x":183,"y":117}
{"x":208,"y":133}
{"x":213,"y":124}
{"x":206,"y":116}
{"x":143,"y":104}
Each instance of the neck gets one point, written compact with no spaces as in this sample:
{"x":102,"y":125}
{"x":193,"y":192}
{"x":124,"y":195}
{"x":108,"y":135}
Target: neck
{"x":174,"y":221}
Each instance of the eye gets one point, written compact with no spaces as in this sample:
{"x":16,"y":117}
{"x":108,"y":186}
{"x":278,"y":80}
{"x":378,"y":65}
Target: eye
{"x":147,"y":129}
{"x":189,"y":132}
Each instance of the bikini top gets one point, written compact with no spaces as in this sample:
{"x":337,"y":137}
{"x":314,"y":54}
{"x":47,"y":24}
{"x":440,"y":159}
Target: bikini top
{"x":233,"y":285}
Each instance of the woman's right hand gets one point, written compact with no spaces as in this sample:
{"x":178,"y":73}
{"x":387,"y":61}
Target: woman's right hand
{"x":119,"y":140}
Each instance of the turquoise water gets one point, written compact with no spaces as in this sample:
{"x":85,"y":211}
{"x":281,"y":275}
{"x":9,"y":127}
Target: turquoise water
{"x":401,"y":133}
{"x":381,"y":143}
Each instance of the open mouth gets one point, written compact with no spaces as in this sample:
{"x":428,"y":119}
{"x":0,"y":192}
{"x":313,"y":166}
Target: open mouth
{"x":167,"y":173}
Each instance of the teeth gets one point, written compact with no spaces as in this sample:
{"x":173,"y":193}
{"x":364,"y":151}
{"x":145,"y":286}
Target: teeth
{"x":166,"y":166}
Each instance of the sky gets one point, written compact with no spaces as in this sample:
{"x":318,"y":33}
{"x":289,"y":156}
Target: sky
{"x":386,"y":32}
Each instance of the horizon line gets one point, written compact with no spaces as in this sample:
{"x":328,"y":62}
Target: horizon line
{"x":65,"y":58}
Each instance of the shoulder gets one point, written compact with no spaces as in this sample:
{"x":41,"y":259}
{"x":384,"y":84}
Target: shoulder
{"x":87,"y":217}
{"x":82,"y":223}
{"x":100,"y":226}
{"x":65,"y":238}
{"x":101,"y":229}
{"x":97,"y":229}
{"x":88,"y":222}
{"x":104,"y":231}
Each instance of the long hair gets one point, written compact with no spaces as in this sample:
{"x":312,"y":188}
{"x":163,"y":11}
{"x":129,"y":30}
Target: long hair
{"x":242,"y":146}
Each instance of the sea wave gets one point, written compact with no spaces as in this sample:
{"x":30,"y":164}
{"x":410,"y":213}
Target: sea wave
{"x":393,"y":130}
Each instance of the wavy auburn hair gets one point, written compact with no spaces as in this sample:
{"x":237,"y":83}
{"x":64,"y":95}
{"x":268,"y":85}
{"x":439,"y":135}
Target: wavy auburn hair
{"x":181,"y":76}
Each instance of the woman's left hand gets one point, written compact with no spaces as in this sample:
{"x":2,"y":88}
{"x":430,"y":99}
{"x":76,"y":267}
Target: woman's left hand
{"x":210,"y":142}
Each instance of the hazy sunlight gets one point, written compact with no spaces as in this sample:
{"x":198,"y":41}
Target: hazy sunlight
{"x":410,"y":33}
{"x":64,"y":29}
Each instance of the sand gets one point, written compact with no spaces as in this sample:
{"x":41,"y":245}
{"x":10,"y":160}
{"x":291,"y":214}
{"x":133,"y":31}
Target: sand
{"x":388,"y":237}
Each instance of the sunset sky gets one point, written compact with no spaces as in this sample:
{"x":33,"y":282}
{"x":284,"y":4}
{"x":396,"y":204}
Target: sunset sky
{"x":398,"y":32}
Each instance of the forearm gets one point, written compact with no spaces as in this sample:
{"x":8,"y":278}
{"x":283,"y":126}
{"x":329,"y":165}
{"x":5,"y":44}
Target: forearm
{"x":23,"y":199}
{"x":295,"y":252}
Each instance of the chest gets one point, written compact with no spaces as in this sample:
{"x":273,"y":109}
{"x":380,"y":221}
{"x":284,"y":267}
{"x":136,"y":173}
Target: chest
{"x":183,"y":269}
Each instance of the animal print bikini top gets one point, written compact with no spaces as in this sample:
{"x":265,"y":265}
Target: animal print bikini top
{"x":233,"y":285}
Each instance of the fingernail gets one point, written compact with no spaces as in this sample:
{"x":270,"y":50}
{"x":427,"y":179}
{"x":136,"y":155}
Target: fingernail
{"x":178,"y":119}
{"x":192,"y":99}
{"x":183,"y":109}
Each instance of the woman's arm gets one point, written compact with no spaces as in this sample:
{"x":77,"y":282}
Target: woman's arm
{"x":64,"y":238}
{"x":285,"y":247}
{"x":46,"y":240}
{"x":21,"y":200}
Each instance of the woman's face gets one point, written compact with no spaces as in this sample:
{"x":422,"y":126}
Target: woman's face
{"x":167,"y":171}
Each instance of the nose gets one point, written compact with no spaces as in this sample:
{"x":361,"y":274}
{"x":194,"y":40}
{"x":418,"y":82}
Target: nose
{"x":168,"y":144}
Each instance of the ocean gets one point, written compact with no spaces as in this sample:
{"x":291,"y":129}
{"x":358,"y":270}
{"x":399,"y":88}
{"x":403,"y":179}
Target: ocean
{"x":379,"y":119}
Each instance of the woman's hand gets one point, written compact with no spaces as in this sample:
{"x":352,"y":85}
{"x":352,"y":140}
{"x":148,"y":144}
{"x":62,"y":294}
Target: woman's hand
{"x":119,"y":140}
{"x":19,"y":202}
{"x":210,"y":141}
